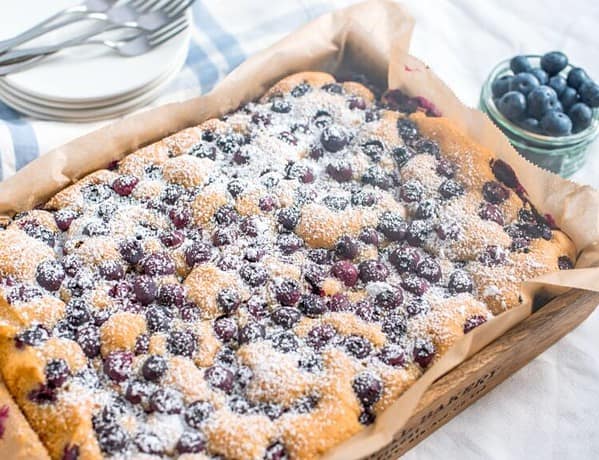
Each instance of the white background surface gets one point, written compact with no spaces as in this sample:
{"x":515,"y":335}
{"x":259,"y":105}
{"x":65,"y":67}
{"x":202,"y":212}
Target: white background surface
{"x":549,"y":409}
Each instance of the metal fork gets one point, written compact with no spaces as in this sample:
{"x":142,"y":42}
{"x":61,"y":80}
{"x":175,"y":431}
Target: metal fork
{"x":68,"y":14}
{"x":132,"y":45}
{"x":136,"y":16}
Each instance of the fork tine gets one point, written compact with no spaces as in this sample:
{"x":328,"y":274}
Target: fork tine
{"x":168,"y":35}
{"x":157,"y":34}
{"x":145,"y":5}
{"x":181,"y":7}
{"x":171,"y":6}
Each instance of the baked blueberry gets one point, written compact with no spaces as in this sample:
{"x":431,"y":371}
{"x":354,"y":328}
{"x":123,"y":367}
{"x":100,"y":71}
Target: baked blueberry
{"x":124,"y":185}
{"x":145,"y":289}
{"x":320,"y":335}
{"x":339,"y":302}
{"x":389,"y":299}
{"x":280,"y":105}
{"x":154,"y":368}
{"x":312,"y":305}
{"x":56,"y":372}
{"x":183,"y":343}
{"x":460,"y":281}
{"x":404,"y":258}
{"x":373,"y":149}
{"x":225,"y":328}
{"x":429,"y":269}
{"x":333,"y":138}
{"x":166,"y":401}
{"x":285,"y":342}
{"x":424,"y":352}
{"x":50,"y":275}
{"x":372,"y":270}
{"x":346,"y":248}
{"x":197,"y":413}
{"x":414,"y":284}
{"x":191,"y":442}
{"x":393,"y":226}
{"x":88,"y":338}
{"x":450,"y":189}
{"x":287,"y":292}
{"x":357,"y":346}
{"x":117,"y":365}
{"x":301,"y":89}
{"x":368,"y":388}
{"x":197,"y":253}
{"x":285,"y":317}
{"x":111,"y":270}
{"x":393,"y":355}
{"x":473,"y":322}
{"x":340,"y":170}
{"x":220,"y":377}
{"x":489,"y":211}
{"x":159,"y":318}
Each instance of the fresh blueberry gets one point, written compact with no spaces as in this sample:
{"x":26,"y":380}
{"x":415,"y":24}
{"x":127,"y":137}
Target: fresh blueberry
{"x":540,"y":101}
{"x":556,"y":123}
{"x":589,"y":93}
{"x":558,"y":83}
{"x":524,"y":83}
{"x":576,"y":77}
{"x":568,"y":98}
{"x":541,"y":75}
{"x":501,"y":85}
{"x":512,"y":105}
{"x":519,"y":64}
{"x":554,"y":62}
{"x":530,"y":124}
{"x":581,"y":116}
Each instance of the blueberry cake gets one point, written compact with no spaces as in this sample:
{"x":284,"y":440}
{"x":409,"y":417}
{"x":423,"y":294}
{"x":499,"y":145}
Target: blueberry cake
{"x":261,"y":286}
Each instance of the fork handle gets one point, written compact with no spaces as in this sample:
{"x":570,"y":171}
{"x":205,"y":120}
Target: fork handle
{"x":47,"y":25}
{"x":21,"y":65}
{"x":27,"y":53}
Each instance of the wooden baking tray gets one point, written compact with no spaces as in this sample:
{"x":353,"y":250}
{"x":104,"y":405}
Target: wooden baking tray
{"x":474,"y":378}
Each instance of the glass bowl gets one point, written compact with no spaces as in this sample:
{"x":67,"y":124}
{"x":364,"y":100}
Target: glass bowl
{"x":562,"y":155}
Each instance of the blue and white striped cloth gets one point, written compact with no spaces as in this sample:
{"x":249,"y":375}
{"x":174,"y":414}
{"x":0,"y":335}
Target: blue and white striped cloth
{"x":225,"y":34}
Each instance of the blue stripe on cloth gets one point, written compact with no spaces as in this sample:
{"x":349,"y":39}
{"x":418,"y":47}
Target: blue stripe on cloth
{"x":225,"y":42}
{"x":23,"y":136}
{"x":201,"y":65}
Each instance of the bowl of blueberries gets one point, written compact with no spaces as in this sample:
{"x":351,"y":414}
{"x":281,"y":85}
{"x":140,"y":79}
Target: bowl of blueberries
{"x":547,"y":107}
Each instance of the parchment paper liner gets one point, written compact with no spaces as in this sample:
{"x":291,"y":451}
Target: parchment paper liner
{"x":373,"y":38}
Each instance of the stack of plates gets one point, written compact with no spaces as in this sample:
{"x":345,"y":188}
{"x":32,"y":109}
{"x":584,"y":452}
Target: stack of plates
{"x":87,"y":83}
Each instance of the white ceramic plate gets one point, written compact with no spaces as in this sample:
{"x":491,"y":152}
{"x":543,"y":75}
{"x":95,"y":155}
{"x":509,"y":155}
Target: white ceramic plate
{"x":83,"y":74}
{"x":50,"y":103}
{"x":86,"y":115}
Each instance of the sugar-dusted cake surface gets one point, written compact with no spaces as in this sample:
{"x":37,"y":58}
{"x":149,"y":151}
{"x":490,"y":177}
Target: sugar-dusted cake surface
{"x":261,"y":286}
